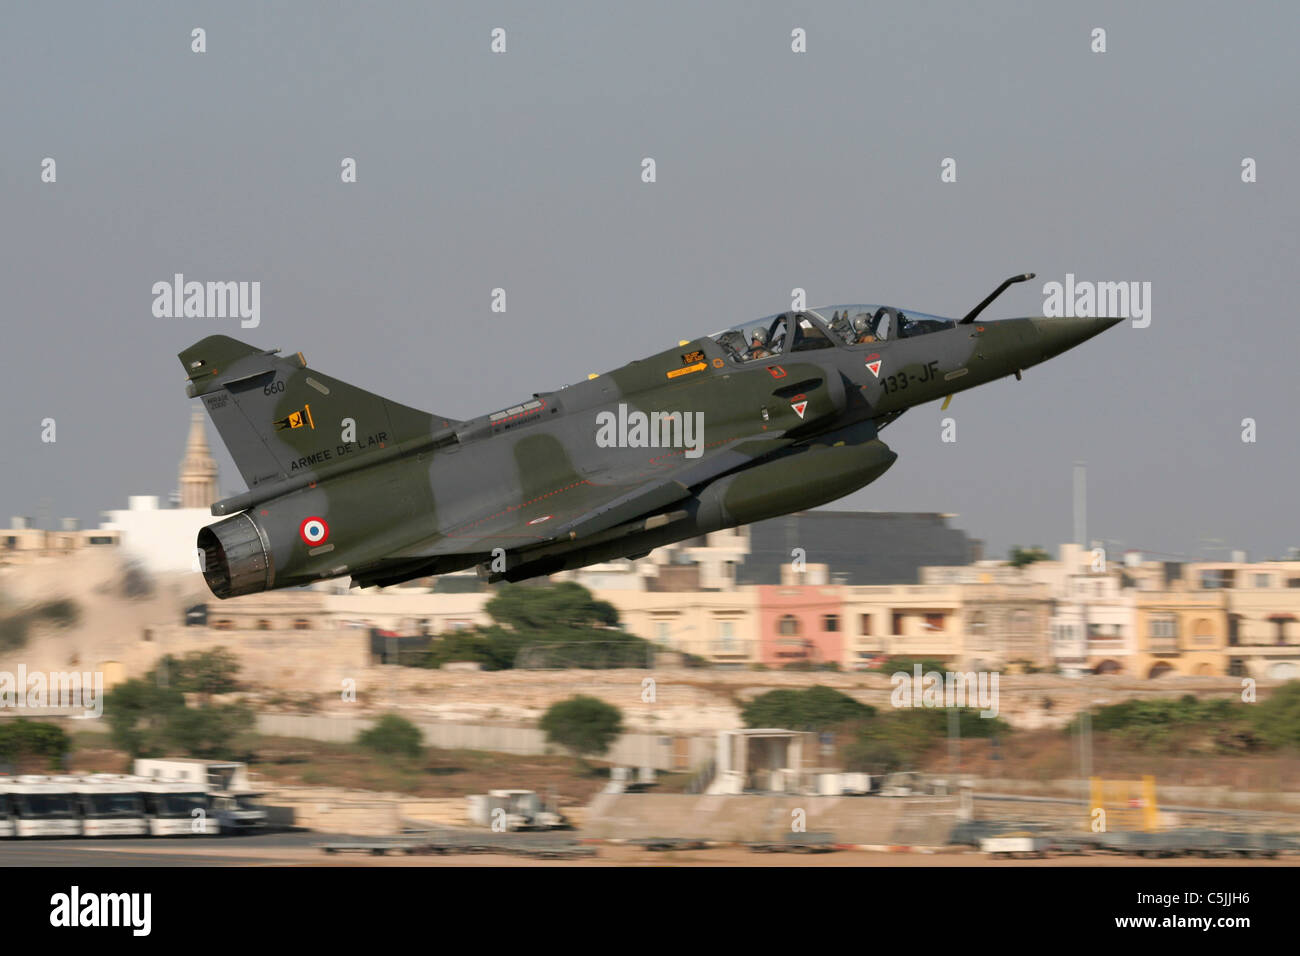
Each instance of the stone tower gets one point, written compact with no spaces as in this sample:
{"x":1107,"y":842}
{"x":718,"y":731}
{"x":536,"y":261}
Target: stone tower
{"x":198,"y":468}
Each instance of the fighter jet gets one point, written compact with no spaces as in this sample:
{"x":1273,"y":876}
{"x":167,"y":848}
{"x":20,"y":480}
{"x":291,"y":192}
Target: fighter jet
{"x":771,"y":416}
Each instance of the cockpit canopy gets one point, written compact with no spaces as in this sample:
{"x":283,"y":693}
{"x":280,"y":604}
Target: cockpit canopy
{"x":824,"y":328}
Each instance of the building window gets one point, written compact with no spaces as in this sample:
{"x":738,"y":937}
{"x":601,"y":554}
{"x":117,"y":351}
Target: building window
{"x":663,"y":631}
{"x":1163,"y":627}
{"x":726,"y":630}
{"x":1281,"y":622}
{"x":864,"y":625}
{"x":263,"y":624}
{"x":301,"y":624}
{"x":934,"y":622}
{"x":1212,"y":579}
{"x":788,"y":626}
{"x":830,"y":622}
{"x":977,"y":623}
{"x":1203,"y":631}
{"x":897,"y":623}
{"x":1261,"y":581}
{"x":224,"y":624}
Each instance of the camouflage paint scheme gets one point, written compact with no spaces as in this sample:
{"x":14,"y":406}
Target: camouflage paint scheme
{"x":527,"y":491}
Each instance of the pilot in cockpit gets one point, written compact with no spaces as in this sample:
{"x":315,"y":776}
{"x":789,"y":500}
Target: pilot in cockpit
{"x":840,"y":325}
{"x":758,"y":344}
{"x":864,"y":328}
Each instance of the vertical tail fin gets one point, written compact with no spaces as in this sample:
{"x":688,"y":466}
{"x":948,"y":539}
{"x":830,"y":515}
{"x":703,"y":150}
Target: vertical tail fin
{"x":281,"y":420}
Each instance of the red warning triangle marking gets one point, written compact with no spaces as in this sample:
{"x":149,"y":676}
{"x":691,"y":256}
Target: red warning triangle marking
{"x":873,"y":364}
{"x":800,"y":408}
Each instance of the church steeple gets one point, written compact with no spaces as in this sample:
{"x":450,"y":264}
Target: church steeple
{"x":198,"y":467}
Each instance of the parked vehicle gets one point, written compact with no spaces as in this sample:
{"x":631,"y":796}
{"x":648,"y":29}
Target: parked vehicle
{"x":6,"y":812}
{"x":110,"y":805}
{"x":177,"y":809}
{"x":43,"y":807}
{"x":237,"y":813}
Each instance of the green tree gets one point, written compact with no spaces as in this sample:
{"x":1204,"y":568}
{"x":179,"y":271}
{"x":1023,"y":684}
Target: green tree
{"x":138,"y":712}
{"x":22,"y":740}
{"x":62,"y":612}
{"x":814,"y":708}
{"x":15,"y":624}
{"x":565,"y":606}
{"x":211,"y":731}
{"x":584,"y":726}
{"x":526,"y":616}
{"x":1277,"y":719}
{"x":148,"y":717}
{"x":201,"y":672}
{"x":393,"y":736}
{"x":1021,"y":557}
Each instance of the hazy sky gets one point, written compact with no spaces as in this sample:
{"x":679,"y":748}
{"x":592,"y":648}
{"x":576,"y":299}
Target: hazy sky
{"x":775,"y":170}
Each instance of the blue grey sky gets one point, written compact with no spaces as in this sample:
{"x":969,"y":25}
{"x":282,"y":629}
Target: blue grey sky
{"x":775,"y":171}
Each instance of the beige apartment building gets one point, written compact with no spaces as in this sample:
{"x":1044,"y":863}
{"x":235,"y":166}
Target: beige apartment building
{"x":22,"y":543}
{"x":722,"y":627}
{"x":1181,"y":632}
{"x":974,"y":625}
{"x":1263,"y":615}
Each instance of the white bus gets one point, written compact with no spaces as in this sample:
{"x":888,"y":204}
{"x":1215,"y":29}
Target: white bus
{"x":6,"y":811}
{"x":110,"y":805}
{"x":177,"y":809}
{"x":43,"y":807}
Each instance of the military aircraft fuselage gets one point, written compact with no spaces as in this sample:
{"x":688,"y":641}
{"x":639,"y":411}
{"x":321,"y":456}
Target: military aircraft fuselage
{"x":724,"y":430}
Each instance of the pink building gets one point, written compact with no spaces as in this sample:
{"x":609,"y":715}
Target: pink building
{"x":800,"y":623}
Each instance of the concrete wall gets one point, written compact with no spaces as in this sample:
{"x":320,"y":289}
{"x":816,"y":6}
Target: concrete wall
{"x":633,"y":750}
{"x":880,"y":821}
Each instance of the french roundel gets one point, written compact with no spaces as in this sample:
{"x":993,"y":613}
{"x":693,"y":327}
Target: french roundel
{"x":314,"y":530}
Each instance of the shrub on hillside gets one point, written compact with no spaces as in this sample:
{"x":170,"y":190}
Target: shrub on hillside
{"x":393,"y":736}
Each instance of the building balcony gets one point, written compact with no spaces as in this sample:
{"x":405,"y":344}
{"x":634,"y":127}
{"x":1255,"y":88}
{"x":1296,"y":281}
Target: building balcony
{"x":870,"y":645}
{"x":924,"y":646}
{"x":1106,"y":643}
{"x":1263,"y":650}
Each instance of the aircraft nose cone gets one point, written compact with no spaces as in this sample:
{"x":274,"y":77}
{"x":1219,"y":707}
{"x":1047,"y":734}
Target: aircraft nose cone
{"x":1058,"y":335}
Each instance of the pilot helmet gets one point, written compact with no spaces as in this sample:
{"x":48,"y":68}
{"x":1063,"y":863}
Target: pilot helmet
{"x":759,"y":335}
{"x":861,"y":322}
